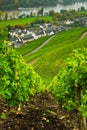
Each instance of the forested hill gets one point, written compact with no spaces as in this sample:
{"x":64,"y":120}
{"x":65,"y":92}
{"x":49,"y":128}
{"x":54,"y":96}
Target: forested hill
{"x":66,"y":2}
{"x":14,"y":4}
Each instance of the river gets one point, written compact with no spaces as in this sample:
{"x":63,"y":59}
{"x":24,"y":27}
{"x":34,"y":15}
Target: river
{"x":56,"y":8}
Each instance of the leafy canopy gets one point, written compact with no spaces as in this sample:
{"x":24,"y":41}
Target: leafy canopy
{"x":70,"y":85}
{"x":18,"y":81}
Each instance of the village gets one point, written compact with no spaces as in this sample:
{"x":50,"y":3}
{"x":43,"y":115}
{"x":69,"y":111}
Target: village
{"x":19,"y":36}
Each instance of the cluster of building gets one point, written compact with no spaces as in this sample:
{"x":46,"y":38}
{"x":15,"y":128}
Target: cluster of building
{"x":19,"y":36}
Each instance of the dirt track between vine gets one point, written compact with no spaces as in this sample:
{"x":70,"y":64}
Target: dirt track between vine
{"x":41,"y":112}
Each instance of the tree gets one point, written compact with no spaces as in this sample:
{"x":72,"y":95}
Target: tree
{"x":63,"y":11}
{"x":6,"y":15}
{"x":82,"y":8}
{"x":31,"y":14}
{"x":51,"y":13}
{"x":70,"y":85}
{"x":0,"y":15}
{"x":40,"y":12}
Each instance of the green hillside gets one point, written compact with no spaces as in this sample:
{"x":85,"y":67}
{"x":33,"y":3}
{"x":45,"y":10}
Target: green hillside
{"x":23,"y":21}
{"x":48,"y":60}
{"x":26,"y":48}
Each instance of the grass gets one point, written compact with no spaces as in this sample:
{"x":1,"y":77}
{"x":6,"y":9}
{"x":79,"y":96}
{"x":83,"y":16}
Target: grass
{"x":26,"y":48}
{"x":23,"y":21}
{"x":51,"y":57}
{"x":3,"y":35}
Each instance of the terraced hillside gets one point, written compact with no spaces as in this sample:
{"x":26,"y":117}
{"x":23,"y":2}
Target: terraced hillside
{"x":48,"y":60}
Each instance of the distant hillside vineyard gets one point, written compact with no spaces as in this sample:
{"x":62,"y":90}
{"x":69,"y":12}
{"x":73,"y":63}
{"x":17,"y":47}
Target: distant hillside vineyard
{"x":14,"y":4}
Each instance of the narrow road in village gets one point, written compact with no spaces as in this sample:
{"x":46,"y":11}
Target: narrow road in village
{"x":38,"y":48}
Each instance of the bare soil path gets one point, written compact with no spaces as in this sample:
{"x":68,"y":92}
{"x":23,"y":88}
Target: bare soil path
{"x":42,"y":112}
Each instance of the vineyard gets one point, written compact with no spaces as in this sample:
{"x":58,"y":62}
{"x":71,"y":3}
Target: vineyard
{"x":52,"y":93}
{"x":26,"y":103}
{"x":50,"y":58}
